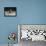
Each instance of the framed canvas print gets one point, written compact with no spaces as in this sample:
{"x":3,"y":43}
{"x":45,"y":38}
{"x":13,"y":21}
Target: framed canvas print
{"x":10,"y":11}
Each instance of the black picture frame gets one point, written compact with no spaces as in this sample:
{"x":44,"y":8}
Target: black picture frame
{"x":10,"y":11}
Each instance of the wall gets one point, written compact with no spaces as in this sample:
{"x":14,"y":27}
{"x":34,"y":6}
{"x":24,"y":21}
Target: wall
{"x":28,"y":12}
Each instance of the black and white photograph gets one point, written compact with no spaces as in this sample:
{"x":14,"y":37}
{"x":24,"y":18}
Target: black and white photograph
{"x":10,"y":11}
